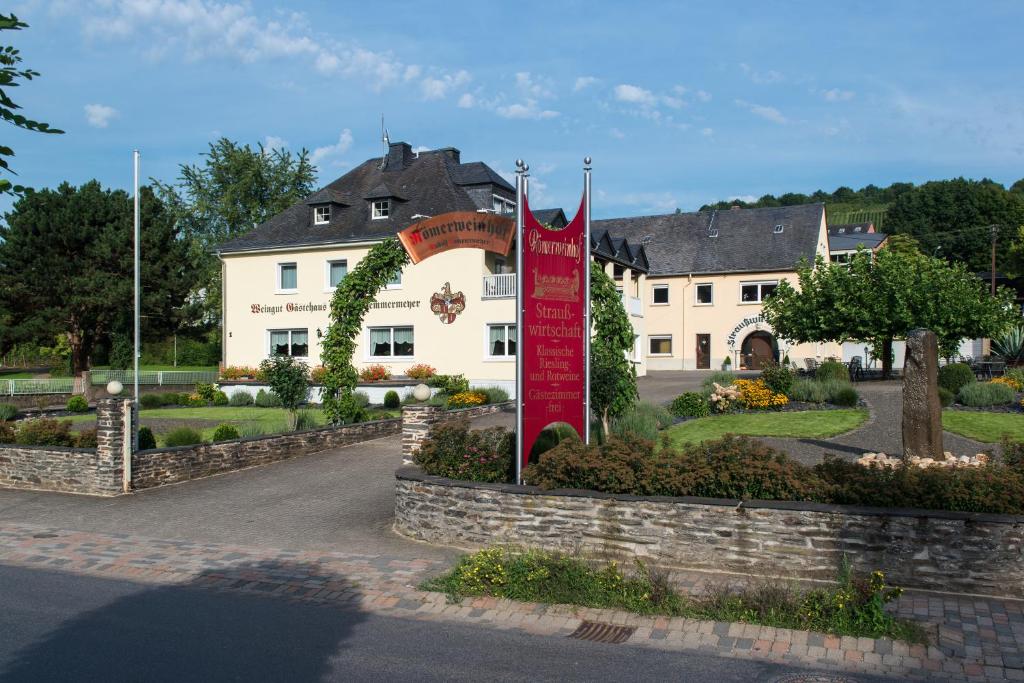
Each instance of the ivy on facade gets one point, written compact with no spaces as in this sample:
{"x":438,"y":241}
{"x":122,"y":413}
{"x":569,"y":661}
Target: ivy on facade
{"x":349,"y":305}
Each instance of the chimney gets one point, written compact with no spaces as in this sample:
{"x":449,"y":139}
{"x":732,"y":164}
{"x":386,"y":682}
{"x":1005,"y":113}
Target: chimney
{"x":734,"y":207}
{"x":452,"y":154}
{"x":399,"y":156}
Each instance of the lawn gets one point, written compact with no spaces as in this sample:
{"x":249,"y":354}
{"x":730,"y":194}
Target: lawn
{"x":803,"y":424}
{"x":984,"y":427}
{"x":14,"y":374}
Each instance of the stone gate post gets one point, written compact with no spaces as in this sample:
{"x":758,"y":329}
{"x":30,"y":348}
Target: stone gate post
{"x":416,"y":422}
{"x":110,"y":444}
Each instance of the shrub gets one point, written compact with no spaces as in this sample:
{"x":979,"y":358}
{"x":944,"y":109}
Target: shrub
{"x":467,"y":399}
{"x":151,"y":400}
{"x":421,"y":371}
{"x":690,"y":404}
{"x":146,"y":439}
{"x":225,"y":432}
{"x":182,"y":436}
{"x":946,"y":397}
{"x":361,"y":398}
{"x":317,"y":374}
{"x":194,"y":400}
{"x":755,"y":395}
{"x":8,"y":412}
{"x":1017,"y":375}
{"x":846,"y":397}
{"x":635,"y":423}
{"x":722,"y":378}
{"x":44,"y":431}
{"x":305,"y":419}
{"x":495,"y":394}
{"x":172,"y":398}
{"x":832,"y":370}
{"x":267,"y":399}
{"x":807,"y":391}
{"x":251,"y":429}
{"x":778,"y":378}
{"x":452,"y":450}
{"x":1013,"y":453}
{"x":392,"y":400}
{"x":288,"y":379}
{"x":374,"y":373}
{"x":220,"y":398}
{"x":726,"y":364}
{"x":86,"y":438}
{"x":983,"y":394}
{"x":77,"y":404}
{"x":240,"y":399}
{"x":205,"y":392}
{"x":449,"y":384}
{"x":7,"y":434}
{"x":955,"y":376}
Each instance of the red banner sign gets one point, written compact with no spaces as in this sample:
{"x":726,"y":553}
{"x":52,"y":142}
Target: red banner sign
{"x":553,"y":344}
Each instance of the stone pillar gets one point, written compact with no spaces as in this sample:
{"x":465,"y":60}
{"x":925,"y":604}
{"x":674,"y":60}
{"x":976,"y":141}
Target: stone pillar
{"x":110,"y":444}
{"x":922,"y":411}
{"x":417,"y":419}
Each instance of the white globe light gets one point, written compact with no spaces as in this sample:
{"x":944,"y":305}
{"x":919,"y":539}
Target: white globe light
{"x":421,"y":392}
{"x":114,"y":387}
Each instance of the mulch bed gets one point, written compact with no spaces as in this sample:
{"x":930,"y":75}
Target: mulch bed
{"x":1013,"y":408}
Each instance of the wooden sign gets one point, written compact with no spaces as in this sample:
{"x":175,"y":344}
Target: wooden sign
{"x":458,"y":230}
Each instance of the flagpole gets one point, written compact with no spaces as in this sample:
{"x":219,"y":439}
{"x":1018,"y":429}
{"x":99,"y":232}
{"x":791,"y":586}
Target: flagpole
{"x":586,"y":300}
{"x":138,"y":288}
{"x":520,"y":193}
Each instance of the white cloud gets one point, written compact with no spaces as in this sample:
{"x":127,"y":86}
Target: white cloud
{"x":837,"y":95}
{"x":274,"y":142}
{"x":525,"y":110}
{"x":584,"y":82}
{"x":203,"y":29}
{"x":99,"y":115}
{"x":707,"y":132}
{"x":658,"y":202}
{"x":329,"y":152}
{"x":617,"y":134}
{"x":760,"y":77}
{"x":703,"y":96}
{"x":435,"y":88}
{"x":535,"y":87}
{"x":769,"y":113}
{"x":635,"y":95}
{"x":421,"y":148}
{"x":467,"y":101}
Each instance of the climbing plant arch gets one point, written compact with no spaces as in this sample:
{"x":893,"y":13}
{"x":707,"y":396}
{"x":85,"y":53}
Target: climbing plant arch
{"x":349,"y":305}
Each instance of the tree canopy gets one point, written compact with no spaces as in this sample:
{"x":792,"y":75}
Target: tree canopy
{"x":881,"y":298}
{"x":66,"y":267}
{"x":10,"y":74}
{"x":233,"y":190}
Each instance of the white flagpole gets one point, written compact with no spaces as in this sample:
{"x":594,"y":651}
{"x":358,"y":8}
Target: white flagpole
{"x":586,"y":300}
{"x":138,"y":289}
{"x":520,"y":193}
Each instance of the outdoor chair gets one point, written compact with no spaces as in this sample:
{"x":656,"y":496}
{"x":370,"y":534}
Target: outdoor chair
{"x":997,"y":368}
{"x":812,"y":366}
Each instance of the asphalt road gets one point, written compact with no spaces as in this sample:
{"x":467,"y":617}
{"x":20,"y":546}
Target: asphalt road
{"x":66,"y":627}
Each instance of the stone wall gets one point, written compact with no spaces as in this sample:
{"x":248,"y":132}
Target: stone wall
{"x":170,"y":465}
{"x":944,"y":551}
{"x":52,"y":468}
{"x":417,"y":419}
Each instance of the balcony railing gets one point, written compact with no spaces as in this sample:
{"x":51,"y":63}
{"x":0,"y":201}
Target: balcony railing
{"x":499,"y":286}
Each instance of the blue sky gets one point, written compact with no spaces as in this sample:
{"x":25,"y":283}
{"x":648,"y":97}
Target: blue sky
{"x":678,"y":103}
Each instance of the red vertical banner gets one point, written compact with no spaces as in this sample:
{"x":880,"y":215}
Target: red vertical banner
{"x":552,"y":352}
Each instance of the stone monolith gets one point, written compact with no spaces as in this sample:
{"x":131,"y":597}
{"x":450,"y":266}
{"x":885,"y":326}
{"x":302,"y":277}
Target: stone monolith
{"x":922,"y":411}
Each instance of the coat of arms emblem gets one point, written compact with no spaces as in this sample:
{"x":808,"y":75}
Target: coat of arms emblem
{"x":447,"y":305}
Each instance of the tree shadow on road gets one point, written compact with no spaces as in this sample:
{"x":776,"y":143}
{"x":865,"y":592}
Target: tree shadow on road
{"x":225,"y":624}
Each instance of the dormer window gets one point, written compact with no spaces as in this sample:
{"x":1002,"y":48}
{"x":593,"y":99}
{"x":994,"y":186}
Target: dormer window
{"x":842,"y":230}
{"x":321,"y":215}
{"x":381,"y":208}
{"x":503,"y":206}
{"x":857,"y":229}
{"x":779,"y":228}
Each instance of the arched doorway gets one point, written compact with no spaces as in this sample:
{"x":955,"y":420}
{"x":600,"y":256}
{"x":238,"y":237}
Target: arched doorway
{"x":758,"y":348}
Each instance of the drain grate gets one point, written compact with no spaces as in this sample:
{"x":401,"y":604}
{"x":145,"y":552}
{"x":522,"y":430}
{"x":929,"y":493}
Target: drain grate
{"x":602,"y":633}
{"x":812,"y":678}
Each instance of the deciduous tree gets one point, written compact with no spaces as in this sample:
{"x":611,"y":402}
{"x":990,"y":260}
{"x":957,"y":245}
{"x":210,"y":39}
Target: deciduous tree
{"x":612,"y":375}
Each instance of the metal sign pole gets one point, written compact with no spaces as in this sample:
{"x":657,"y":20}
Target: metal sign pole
{"x":586,"y":301}
{"x":520,"y":192}
{"x":138,"y":289}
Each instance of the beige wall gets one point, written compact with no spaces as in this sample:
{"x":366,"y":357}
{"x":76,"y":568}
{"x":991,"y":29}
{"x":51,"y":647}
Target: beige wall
{"x":459,"y":347}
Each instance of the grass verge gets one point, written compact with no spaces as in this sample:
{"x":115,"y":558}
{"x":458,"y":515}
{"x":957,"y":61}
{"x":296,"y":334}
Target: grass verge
{"x":810,"y":424}
{"x":984,"y":427}
{"x":854,"y":606}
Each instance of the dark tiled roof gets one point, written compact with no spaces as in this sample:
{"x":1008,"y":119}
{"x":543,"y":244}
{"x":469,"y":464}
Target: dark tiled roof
{"x":843,"y":228}
{"x":553,"y":217}
{"x":618,"y":250}
{"x":746,"y":240}
{"x":430,"y":184}
{"x":850,"y":241}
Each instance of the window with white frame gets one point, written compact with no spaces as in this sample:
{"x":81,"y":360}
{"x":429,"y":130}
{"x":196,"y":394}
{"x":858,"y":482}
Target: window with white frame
{"x":501,"y":340}
{"x":705,"y":294}
{"x":660,"y":345}
{"x":287,"y":277}
{"x":633,"y":352}
{"x":659,"y":295}
{"x":756,"y":292}
{"x":395,"y":282}
{"x":391,"y":342}
{"x":502,"y":205}
{"x":336,"y":272}
{"x":289,"y":343}
{"x":381,"y":208}
{"x":321,"y":215}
